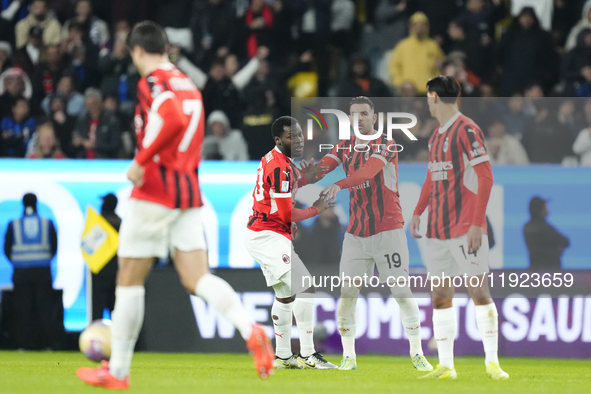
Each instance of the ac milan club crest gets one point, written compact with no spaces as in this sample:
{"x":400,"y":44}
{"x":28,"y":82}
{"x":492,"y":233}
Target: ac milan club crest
{"x":285,"y":258}
{"x":445,"y":145}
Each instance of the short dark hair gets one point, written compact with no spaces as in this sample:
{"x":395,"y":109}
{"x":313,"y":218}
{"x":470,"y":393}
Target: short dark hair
{"x":149,"y":36}
{"x":30,"y":200}
{"x":362,"y":100}
{"x":17,"y":99}
{"x":447,"y":88}
{"x":281,"y":123}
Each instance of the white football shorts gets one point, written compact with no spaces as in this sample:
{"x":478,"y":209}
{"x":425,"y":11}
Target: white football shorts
{"x":388,"y":251}
{"x":154,"y":230}
{"x":451,"y":257}
{"x":282,"y":267}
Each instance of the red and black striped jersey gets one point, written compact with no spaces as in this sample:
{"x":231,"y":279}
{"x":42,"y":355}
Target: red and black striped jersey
{"x":374,"y":206}
{"x":454,"y":149}
{"x":170,"y":126}
{"x":276,"y":178}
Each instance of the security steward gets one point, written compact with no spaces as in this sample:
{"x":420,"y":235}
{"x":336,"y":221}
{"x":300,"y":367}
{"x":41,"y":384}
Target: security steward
{"x":30,"y":244}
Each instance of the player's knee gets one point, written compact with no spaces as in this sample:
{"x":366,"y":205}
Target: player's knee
{"x":442,"y":303}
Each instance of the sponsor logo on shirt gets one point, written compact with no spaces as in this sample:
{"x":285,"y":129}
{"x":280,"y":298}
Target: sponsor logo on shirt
{"x":284,"y":186}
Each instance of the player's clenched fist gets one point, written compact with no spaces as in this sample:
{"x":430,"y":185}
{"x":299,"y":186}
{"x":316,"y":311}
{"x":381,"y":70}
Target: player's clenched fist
{"x":136,"y":174}
{"x":415,"y":222}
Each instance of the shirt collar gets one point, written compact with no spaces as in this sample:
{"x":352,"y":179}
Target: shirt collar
{"x":277,"y":149}
{"x":451,"y":121}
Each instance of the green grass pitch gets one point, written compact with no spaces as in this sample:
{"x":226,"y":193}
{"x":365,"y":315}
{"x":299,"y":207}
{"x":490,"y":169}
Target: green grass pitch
{"x":24,"y":373}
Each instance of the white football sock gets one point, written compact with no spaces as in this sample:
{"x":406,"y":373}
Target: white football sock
{"x":303,"y":310}
{"x":444,"y":330}
{"x":409,"y":314}
{"x":487,"y":320}
{"x":282,"y":315}
{"x":126,"y":323}
{"x":347,"y":322}
{"x":219,"y":294}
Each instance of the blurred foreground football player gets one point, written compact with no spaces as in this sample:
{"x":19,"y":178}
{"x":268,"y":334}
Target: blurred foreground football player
{"x":165,"y":212}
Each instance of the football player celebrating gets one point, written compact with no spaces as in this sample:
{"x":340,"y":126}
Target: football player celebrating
{"x":164,"y":211}
{"x":457,"y":189}
{"x":375,"y":236}
{"x":268,"y":240}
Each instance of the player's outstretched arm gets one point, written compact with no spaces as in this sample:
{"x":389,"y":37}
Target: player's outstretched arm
{"x":485,"y":182}
{"x":362,"y":175}
{"x":420,"y":208}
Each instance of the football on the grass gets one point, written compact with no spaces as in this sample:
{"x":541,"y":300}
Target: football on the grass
{"x":95,"y":340}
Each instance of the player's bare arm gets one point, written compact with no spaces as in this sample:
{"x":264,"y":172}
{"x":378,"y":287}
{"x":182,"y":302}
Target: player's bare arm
{"x":414,"y":225}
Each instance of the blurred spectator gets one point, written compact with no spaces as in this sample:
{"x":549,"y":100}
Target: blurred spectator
{"x":416,"y":58}
{"x":104,"y":282}
{"x":30,"y":244}
{"x":74,"y":100}
{"x":47,"y":73}
{"x":14,"y":83}
{"x":216,"y":23}
{"x":6,"y":60}
{"x":455,"y":67}
{"x":577,"y":66}
{"x":526,"y":54}
{"x":17,"y":130}
{"x":45,"y":144}
{"x":82,"y":55}
{"x":63,"y":9}
{"x":314,"y":35}
{"x":584,"y":23}
{"x":242,"y":76}
{"x":567,"y":117}
{"x":97,"y":135}
{"x":545,"y":139}
{"x":504,"y":148}
{"x":514,"y":117}
{"x":175,"y":16}
{"x":221,"y":142}
{"x":219,"y":93}
{"x":10,"y":14}
{"x":258,"y":22}
{"x":341,"y":26}
{"x":479,"y":58}
{"x":544,"y":243}
{"x":119,"y":75}
{"x":41,"y":17}
{"x":439,"y":13}
{"x":63,"y":124}
{"x":582,"y":145}
{"x":95,"y":30}
{"x":391,"y":18}
{"x":481,"y":17}
{"x":565,"y":16}
{"x":239,"y":77}
{"x":542,"y":8}
{"x":282,"y":44}
{"x":28,"y":56}
{"x":256,"y":124}
{"x":360,"y":82}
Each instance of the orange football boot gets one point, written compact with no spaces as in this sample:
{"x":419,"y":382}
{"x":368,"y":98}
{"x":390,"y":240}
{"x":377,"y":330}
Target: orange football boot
{"x":259,"y":346}
{"x":102,"y":377}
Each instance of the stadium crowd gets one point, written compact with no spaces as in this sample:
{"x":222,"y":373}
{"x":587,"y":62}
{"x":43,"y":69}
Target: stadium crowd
{"x":68,"y":86}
